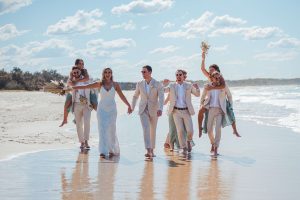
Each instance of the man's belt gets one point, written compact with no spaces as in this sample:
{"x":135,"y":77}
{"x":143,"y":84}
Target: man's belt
{"x":180,"y":108}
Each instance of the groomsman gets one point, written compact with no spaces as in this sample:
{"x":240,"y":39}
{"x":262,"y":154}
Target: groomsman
{"x":181,"y":108}
{"x":150,"y":107}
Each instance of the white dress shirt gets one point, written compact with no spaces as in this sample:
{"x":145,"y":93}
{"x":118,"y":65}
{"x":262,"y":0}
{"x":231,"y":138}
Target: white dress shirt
{"x":180,"y":99}
{"x":147,"y":86}
{"x":214,"y":99}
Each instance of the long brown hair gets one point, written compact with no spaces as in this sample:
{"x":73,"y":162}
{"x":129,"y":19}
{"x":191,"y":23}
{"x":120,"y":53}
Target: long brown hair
{"x":103,"y":74}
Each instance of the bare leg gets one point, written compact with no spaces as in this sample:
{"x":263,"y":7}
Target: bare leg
{"x":200,"y":119}
{"x":216,"y":151}
{"x":86,"y":145}
{"x":235,"y":132}
{"x":212,"y":149}
{"x":68,"y":104}
{"x":148,"y":154}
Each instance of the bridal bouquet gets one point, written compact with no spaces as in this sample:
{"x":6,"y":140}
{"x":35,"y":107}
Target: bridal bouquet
{"x":205,"y":46}
{"x":56,"y":87}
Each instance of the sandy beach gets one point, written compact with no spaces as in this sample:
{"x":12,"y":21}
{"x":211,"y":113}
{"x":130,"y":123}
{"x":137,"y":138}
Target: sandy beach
{"x":39,"y":160}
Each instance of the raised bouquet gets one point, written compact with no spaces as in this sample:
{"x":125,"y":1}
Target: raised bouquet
{"x":205,"y":46}
{"x":56,"y":87}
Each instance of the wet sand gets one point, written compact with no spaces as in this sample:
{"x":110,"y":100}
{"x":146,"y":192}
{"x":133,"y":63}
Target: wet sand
{"x":263,"y":164}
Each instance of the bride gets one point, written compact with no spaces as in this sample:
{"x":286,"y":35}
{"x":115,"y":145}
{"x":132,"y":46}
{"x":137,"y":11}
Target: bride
{"x":107,"y":112}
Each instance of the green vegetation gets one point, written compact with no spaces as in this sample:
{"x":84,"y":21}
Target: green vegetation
{"x":19,"y":80}
{"x":16,"y":79}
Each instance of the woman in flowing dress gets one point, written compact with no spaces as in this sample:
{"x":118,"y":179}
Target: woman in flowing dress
{"x":107,"y":113}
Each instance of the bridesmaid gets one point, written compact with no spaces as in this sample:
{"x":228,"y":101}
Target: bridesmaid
{"x":107,"y":113}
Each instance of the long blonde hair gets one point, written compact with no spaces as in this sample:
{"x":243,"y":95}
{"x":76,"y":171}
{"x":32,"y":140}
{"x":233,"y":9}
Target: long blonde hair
{"x":103,"y":74}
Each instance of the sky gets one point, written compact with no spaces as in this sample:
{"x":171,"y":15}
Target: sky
{"x":249,"y":39}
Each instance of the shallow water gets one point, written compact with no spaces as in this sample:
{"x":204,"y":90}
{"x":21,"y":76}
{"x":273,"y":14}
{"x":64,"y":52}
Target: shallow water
{"x":261,"y":165}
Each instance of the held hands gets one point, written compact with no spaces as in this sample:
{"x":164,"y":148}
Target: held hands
{"x":129,"y":110}
{"x":196,"y":85}
{"x":159,"y":113}
{"x":166,"y":82}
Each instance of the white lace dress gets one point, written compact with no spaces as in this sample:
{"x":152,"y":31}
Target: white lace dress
{"x":107,"y":117}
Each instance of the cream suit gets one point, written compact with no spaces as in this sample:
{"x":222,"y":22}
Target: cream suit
{"x":216,"y":113}
{"x":182,"y":118}
{"x":149,"y":104}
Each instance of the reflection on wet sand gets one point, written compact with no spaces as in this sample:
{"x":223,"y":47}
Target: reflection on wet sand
{"x":104,"y":186}
{"x":211,"y":185}
{"x":146,"y":184}
{"x":178,"y":178}
{"x":79,"y":185}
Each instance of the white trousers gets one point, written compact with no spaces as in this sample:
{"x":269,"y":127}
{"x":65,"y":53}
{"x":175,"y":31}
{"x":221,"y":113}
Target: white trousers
{"x":149,"y":124}
{"x":183,"y":119}
{"x":83,"y":118}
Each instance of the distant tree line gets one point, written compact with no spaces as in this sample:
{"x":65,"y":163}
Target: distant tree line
{"x":16,"y":79}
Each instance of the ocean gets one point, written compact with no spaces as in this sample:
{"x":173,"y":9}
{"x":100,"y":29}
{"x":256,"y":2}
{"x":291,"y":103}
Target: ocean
{"x":269,"y":105}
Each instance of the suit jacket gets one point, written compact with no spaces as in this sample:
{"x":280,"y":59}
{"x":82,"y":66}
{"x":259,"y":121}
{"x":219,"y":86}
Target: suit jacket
{"x":224,"y":94}
{"x":154,"y":100}
{"x":189,"y":90}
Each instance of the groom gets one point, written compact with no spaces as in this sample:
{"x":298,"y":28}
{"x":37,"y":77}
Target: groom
{"x":150,"y":107}
{"x":182,"y":109}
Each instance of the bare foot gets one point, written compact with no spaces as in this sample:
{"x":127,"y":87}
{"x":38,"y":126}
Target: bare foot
{"x":82,"y":145}
{"x":166,"y":146}
{"x":110,"y":155}
{"x":189,"y":149}
{"x":102,"y":155}
{"x":212,"y":149}
{"x":63,"y":123}
{"x":86,"y":144}
{"x":237,"y":134}
{"x":216,"y":151}
{"x":148,"y":155}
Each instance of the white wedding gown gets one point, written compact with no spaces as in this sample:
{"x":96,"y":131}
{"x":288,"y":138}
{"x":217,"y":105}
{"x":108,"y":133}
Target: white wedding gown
{"x":107,"y":117}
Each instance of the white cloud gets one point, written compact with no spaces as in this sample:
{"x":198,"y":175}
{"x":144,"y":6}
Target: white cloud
{"x":145,"y":27}
{"x":101,"y":48}
{"x":168,"y":25}
{"x":167,"y":49}
{"x":285,"y":43}
{"x":34,"y":53}
{"x":8,"y":6}
{"x":82,"y":22}
{"x":198,"y":27}
{"x":220,"y":48}
{"x":227,"y":21}
{"x":276,"y":56}
{"x":126,"y":26}
{"x":249,"y":33}
{"x":214,"y":26}
{"x":9,"y":31}
{"x":256,"y":33}
{"x":143,"y":7}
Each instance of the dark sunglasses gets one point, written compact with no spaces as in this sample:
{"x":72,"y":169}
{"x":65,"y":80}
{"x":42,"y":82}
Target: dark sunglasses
{"x":179,"y":74}
{"x":76,"y":72}
{"x":144,"y":72}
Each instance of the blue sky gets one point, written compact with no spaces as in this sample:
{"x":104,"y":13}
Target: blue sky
{"x":249,"y":39}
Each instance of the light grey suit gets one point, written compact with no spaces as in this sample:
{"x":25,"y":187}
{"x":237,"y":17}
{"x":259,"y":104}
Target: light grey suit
{"x":149,"y":104}
{"x":182,"y":118}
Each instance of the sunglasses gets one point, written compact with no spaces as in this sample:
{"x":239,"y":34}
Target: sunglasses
{"x":76,"y":72}
{"x":179,"y":74}
{"x":144,"y":72}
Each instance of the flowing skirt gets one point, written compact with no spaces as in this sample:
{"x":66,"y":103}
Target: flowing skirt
{"x":108,"y":141}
